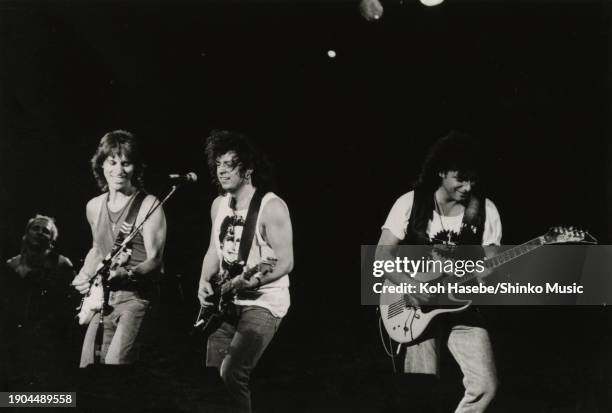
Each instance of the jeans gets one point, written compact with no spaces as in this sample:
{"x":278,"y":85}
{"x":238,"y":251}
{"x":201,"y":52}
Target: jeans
{"x":471,"y":348}
{"x":122,"y":331}
{"x":236,"y":346}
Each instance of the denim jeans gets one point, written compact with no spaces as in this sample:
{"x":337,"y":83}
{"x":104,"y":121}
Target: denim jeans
{"x":122,"y":331}
{"x":236,"y":346}
{"x":471,"y":348}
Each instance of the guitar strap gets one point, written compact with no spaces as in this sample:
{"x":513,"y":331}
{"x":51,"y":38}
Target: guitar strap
{"x":129,"y":223}
{"x":248,"y":233}
{"x":472,"y":225}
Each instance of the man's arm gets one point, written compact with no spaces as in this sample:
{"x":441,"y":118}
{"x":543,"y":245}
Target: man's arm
{"x":278,"y":232}
{"x":210,"y":264}
{"x":386,"y":251}
{"x":153,"y":235}
{"x":492,"y":236}
{"x":387,"y":244}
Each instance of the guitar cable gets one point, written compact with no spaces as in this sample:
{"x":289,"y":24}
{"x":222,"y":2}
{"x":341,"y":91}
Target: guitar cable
{"x":388,"y":350}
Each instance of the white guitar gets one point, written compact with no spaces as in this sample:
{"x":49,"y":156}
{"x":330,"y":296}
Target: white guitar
{"x":405,"y":322}
{"x":93,"y":301}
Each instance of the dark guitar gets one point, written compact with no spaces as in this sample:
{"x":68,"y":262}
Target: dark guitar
{"x":222,"y":301}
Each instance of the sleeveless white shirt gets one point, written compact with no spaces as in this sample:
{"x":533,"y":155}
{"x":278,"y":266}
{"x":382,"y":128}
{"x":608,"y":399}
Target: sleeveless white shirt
{"x":273,"y":296}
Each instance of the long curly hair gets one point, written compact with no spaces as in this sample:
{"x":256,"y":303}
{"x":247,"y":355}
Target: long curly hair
{"x":249,"y":156}
{"x":456,"y":151}
{"x":118,"y":142}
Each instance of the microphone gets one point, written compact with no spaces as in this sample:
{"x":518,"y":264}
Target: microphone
{"x":188,"y":178}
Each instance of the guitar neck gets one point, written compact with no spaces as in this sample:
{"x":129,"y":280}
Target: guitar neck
{"x":226,"y":287}
{"x":507,"y":256}
{"x":513,"y":253}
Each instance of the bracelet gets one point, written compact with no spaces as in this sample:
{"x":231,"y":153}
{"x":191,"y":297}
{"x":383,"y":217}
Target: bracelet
{"x":259,"y":282}
{"x":130,"y":273}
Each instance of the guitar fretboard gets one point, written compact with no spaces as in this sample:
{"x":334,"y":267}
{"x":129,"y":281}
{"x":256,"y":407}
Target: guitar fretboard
{"x":226,"y":287}
{"x":513,"y":253}
{"x":502,"y":258}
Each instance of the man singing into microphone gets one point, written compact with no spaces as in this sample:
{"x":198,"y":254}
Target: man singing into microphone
{"x":118,"y":167}
{"x":241,"y":174}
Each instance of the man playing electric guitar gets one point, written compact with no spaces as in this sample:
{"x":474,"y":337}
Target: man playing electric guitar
{"x":241,"y":173}
{"x":445,"y":208}
{"x":118,"y":167}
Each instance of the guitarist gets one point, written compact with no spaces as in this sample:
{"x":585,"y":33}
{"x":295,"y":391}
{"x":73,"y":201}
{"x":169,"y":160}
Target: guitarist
{"x":445,"y":208}
{"x":118,"y":168}
{"x":262,"y":300}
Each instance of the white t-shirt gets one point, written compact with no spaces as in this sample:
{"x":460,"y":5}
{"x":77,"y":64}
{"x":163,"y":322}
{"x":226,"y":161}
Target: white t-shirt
{"x":275,"y":295}
{"x":442,"y":228}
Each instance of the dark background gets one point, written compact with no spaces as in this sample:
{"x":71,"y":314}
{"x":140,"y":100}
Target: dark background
{"x":347,"y":136}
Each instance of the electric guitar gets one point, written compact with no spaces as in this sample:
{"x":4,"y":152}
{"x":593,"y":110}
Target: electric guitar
{"x":222,"y":301}
{"x":95,"y":298}
{"x":406,"y":322}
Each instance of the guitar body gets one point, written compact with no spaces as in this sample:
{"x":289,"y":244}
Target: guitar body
{"x":209,"y":319}
{"x":221,"y":304}
{"x":404,"y":322}
{"x":94,"y":300}
{"x":222,"y":301}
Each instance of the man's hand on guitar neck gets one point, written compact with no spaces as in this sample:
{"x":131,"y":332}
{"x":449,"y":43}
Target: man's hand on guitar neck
{"x":490,"y":251}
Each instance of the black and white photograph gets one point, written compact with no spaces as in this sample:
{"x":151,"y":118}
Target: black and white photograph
{"x":191,"y":190}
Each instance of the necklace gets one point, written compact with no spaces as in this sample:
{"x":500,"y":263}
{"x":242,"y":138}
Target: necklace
{"x":113,"y":223}
{"x":448,"y":241}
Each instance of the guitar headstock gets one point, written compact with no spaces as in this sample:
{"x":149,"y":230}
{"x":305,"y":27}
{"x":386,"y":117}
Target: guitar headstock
{"x":561,"y":235}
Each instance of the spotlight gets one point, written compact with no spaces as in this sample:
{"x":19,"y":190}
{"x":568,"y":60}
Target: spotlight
{"x":371,"y":10}
{"x":431,"y":2}
{"x":331,"y":54}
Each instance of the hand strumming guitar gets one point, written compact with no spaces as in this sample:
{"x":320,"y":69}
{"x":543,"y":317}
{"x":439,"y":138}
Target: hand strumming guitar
{"x":419,"y":298}
{"x":205,"y":290}
{"x":81,"y":283}
{"x":118,"y":278}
